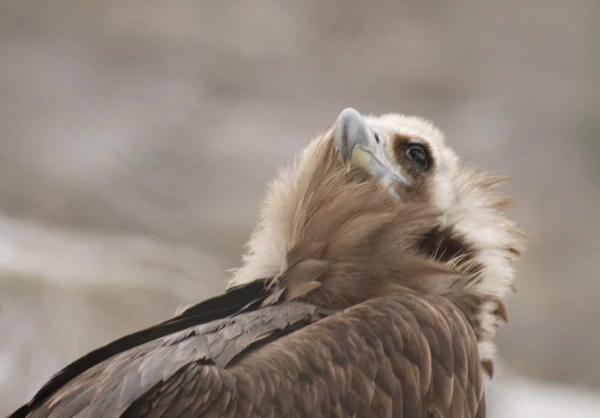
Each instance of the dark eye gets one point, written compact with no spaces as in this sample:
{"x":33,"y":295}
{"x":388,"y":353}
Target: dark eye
{"x":418,"y":153}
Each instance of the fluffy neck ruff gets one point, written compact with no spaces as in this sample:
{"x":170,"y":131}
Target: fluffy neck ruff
{"x":334,"y":227}
{"x":319,"y":218}
{"x":474,"y":236}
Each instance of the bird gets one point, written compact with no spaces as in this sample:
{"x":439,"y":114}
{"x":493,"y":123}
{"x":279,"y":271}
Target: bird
{"x":372,"y":286}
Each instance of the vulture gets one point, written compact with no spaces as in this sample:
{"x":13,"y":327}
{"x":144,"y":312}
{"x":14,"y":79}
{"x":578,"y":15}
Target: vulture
{"x":372,"y":286}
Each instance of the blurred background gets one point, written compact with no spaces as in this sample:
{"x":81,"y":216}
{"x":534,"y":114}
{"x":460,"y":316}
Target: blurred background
{"x":136,"y":138}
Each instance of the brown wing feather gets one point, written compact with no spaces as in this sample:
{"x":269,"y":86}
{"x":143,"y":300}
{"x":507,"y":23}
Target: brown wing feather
{"x":243,"y":298}
{"x":111,"y":387}
{"x":402,"y":356}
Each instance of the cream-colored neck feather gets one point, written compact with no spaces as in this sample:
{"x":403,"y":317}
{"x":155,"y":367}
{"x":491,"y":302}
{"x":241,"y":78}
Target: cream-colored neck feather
{"x":476,"y":214}
{"x":270,"y":242}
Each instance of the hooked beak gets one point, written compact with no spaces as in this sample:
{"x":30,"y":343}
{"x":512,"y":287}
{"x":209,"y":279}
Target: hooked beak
{"x":357,"y":144}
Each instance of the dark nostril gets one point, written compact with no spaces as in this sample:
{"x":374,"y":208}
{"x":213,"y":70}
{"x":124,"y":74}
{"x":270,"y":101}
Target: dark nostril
{"x":376,"y":138}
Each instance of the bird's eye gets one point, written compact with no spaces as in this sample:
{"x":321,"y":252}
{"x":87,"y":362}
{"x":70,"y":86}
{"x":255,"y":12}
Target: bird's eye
{"x":418,"y":153}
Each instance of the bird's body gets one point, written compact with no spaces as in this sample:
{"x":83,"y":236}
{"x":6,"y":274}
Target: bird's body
{"x":365,"y":292}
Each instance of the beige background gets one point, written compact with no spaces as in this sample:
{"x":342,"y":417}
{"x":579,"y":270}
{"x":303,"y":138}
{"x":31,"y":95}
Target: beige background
{"x":136,"y":138}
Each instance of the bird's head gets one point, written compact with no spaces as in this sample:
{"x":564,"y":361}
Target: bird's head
{"x":356,"y":193}
{"x":407,"y":155}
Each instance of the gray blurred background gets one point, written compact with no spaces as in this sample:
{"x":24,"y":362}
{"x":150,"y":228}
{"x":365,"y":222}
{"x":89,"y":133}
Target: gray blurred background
{"x":136,"y":138}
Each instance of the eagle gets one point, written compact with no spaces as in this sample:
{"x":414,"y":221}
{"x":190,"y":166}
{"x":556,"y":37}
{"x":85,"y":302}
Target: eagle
{"x":372,"y":286}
